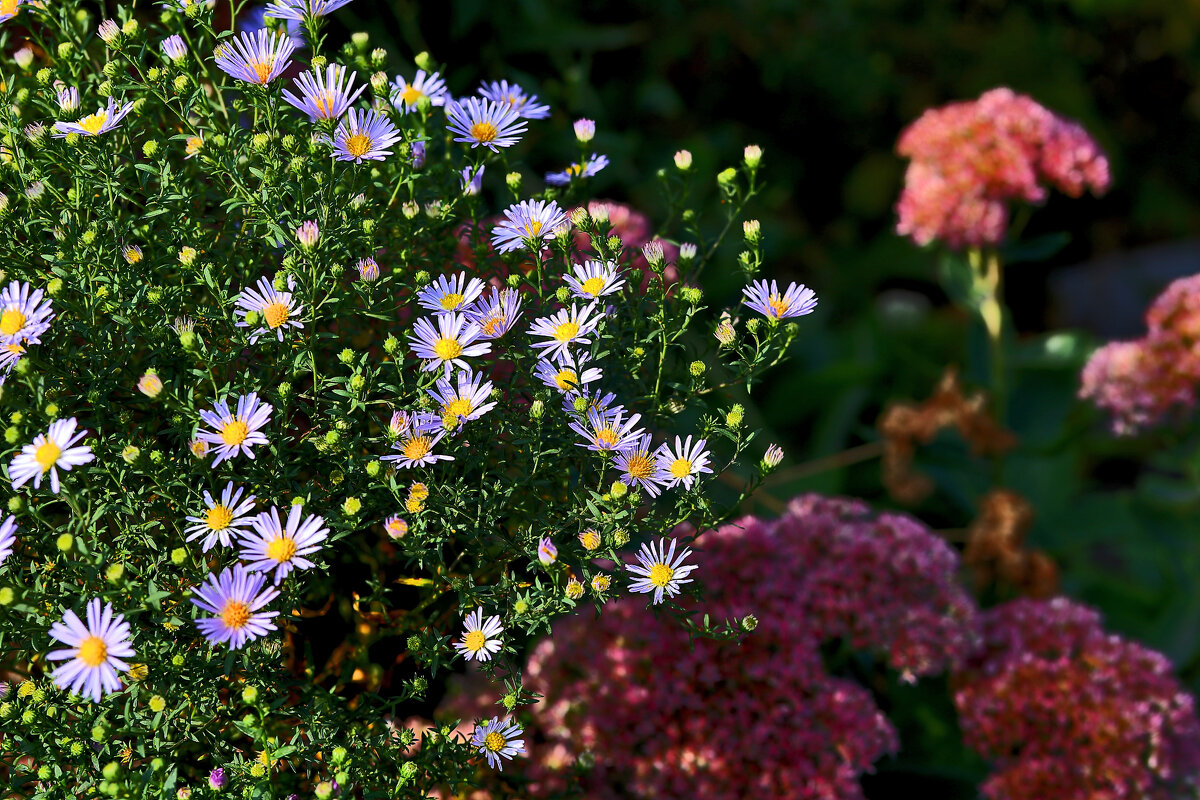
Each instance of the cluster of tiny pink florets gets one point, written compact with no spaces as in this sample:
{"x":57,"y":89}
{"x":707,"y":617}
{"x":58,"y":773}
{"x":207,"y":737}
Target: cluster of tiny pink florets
{"x":666,"y":718}
{"x":1065,"y":710}
{"x":969,"y":160}
{"x":1144,"y":382}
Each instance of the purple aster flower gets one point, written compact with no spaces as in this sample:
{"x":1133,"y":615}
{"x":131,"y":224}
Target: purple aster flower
{"x":93,"y":653}
{"x":278,"y":310}
{"x":768,"y":301}
{"x":49,"y":452}
{"x":174,"y":48}
{"x":297,"y":9}
{"x":567,"y":373}
{"x":325,"y":94}
{"x":222,"y":520}
{"x":273,"y":545}
{"x":564,"y":328}
{"x":659,"y":570}
{"x":683,"y":464}
{"x":528,"y":224}
{"x":405,"y":96}
{"x":8,"y":537}
{"x":235,"y":433}
{"x":450,"y":294}
{"x":258,"y":57}
{"x":364,"y":135}
{"x":512,"y":95}
{"x":481,"y":122}
{"x":608,"y":430}
{"x":68,"y":98}
{"x":594,"y":279}
{"x":416,"y":442}
{"x":497,"y":313}
{"x":234,"y":598}
{"x":454,"y":339}
{"x":24,"y":316}
{"x":217,"y":779}
{"x":103,"y":121}
{"x":497,"y":739}
{"x":472,"y":180}
{"x":579,"y":170}
{"x":368,"y":270}
{"x":596,"y":400}
{"x":639,"y":466}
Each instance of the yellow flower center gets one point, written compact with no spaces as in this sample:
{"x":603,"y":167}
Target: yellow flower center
{"x":235,"y":433}
{"x":606,"y":437}
{"x":681,"y":468}
{"x":574,"y":169}
{"x":275,"y":315}
{"x":325,"y":104}
{"x":778,"y":305}
{"x":452,"y":301}
{"x":11,"y":321}
{"x":358,"y":144}
{"x":235,"y":614}
{"x":92,"y":123}
{"x":474,"y":641}
{"x":484,"y":132}
{"x":494,"y":741}
{"x":218,"y":518}
{"x":281,"y":549}
{"x":47,"y":455}
{"x":262,"y":70}
{"x":418,"y":448}
{"x":640,"y":467}
{"x":447,"y":349}
{"x":411,"y":94}
{"x":13,"y":348}
{"x":194,"y":145}
{"x":566,"y":331}
{"x":418,"y":490}
{"x":533,"y":228}
{"x":514,"y":101}
{"x":458,"y":407}
{"x":491,"y":325}
{"x":593,"y":286}
{"x":590,"y":540}
{"x":93,"y":651}
{"x":414,"y":505}
{"x":566,"y":379}
{"x":661,"y":574}
{"x":8,"y":6}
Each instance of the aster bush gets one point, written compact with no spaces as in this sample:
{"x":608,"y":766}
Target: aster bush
{"x":312,"y":393}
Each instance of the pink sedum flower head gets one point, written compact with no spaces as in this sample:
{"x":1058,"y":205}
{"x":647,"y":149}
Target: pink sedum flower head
{"x":94,"y":652}
{"x":684,"y":463}
{"x":608,"y":431}
{"x":564,"y":328}
{"x":281,"y":547}
{"x":450,"y":294}
{"x":594,"y":279}
{"x":480,"y":639}
{"x":767,"y":300}
{"x":24,"y":314}
{"x":223,"y":520}
{"x":406,"y":96}
{"x":416,"y":441}
{"x":484,"y":123}
{"x":449,"y":344}
{"x":578,"y":171}
{"x":235,"y":599}
{"x":8,"y":537}
{"x":466,"y":401}
{"x":259,"y":57}
{"x":364,"y":136}
{"x":277,"y":311}
{"x":513,"y":96}
{"x":298,"y":9}
{"x":498,"y":740}
{"x":48,"y":453}
{"x":659,"y":570}
{"x":496,"y":314}
{"x":568,"y":373}
{"x":234,"y":433}
{"x":528,"y":224}
{"x":325,"y":94}
{"x":547,"y":553}
{"x":639,"y":466}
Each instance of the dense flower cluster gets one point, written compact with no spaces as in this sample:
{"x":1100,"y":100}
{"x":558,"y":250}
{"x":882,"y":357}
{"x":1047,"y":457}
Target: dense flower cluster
{"x":1148,"y":381}
{"x":970,"y":160}
{"x":1065,"y":710}
{"x":666,"y":718}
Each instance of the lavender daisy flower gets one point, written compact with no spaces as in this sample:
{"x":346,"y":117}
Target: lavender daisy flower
{"x":68,"y":99}
{"x":497,"y":740}
{"x":275,"y":308}
{"x":235,"y":433}
{"x":259,"y":57}
{"x":103,"y":121}
{"x":684,"y":463}
{"x":174,"y":48}
{"x":481,"y":122}
{"x":449,"y":343}
{"x":234,"y":598}
{"x":639,"y":466}
{"x":49,"y":452}
{"x":529,"y":224}
{"x":497,"y":313}
{"x":546,"y":551}
{"x":580,"y":170}
{"x":512,"y":95}
{"x":450,"y":294}
{"x":93,"y":653}
{"x":465,"y":402}
{"x":405,"y":96}
{"x":9,"y":355}
{"x":24,"y":316}
{"x":325,"y":94}
{"x":8,"y":537}
{"x":567,"y":373}
{"x":416,"y":442}
{"x":273,"y":545}
{"x":564,"y":328}
{"x":472,"y":180}
{"x":594,"y":279}
{"x":364,"y":135}
{"x":222,"y":520}
{"x":368,"y":270}
{"x":659,"y":570}
{"x":297,"y":9}
{"x":768,"y":301}
{"x":608,"y":430}
{"x":480,"y":639}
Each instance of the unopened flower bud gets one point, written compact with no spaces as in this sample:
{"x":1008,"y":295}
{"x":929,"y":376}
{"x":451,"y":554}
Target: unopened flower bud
{"x":351,"y":506}
{"x":579,"y":217}
{"x":547,"y":553}
{"x":378,"y":57}
{"x":752,"y":155}
{"x":683,"y":160}
{"x":752,"y":231}
{"x":187,"y":256}
{"x":735,"y":415}
{"x":726,"y":176}
{"x":24,"y":58}
{"x":697,"y":368}
{"x":391,"y":345}
{"x":114,"y":573}
{"x":653,"y":251}
{"x":424,"y":61}
{"x":178,"y":556}
{"x":379,"y":83}
{"x":749,"y":623}
{"x":410,"y":209}
{"x":772,"y":458}
{"x":150,"y":384}
{"x":65,"y":543}
{"x":536,"y":409}
{"x":585,"y":129}
{"x":109,"y":32}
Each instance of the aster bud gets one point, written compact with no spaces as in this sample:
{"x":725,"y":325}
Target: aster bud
{"x":357,"y":383}
{"x":131,"y":27}
{"x":187,"y":256}
{"x":150,"y":384}
{"x":109,"y":32}
{"x":683,"y":160}
{"x":726,"y":177}
{"x":422,"y":277}
{"x":653,"y":251}
{"x":178,"y":556}
{"x":105,"y":89}
{"x":772,"y":458}
{"x":424,"y":61}
{"x":65,"y":543}
{"x":735,"y":415}
{"x":24,"y":58}
{"x":752,"y":156}
{"x":579,"y":218}
{"x":513,"y":280}
{"x":378,"y":57}
{"x":536,"y":409}
{"x":379,"y":83}
{"x":618,"y":489}
{"x":585,"y":130}
{"x":318,"y":62}
{"x":562,"y":294}
{"x":697,"y":368}
{"x":752,"y":231}
{"x":410,"y":209}
{"x":749,"y":623}
{"x":391,"y":345}
{"x":114,"y":573}
{"x":691,"y":295}
{"x":351,"y":506}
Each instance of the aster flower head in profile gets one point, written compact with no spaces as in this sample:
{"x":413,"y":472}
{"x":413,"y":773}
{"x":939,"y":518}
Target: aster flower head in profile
{"x":564,"y":328}
{"x":235,"y":599}
{"x":472,"y":180}
{"x":528,"y":224}
{"x":257,"y":58}
{"x":279,"y":547}
{"x":24,"y":314}
{"x":513,"y":96}
{"x":466,"y":401}
{"x":49,"y":452}
{"x":483,"y":123}
{"x":659,"y":570}
{"x":767,"y":300}
{"x":325,"y":94}
{"x":406,"y":95}
{"x":93,"y":652}
{"x":8,"y":537}
{"x":222,"y":520}
{"x":447,"y":341}
{"x":299,"y":9}
{"x":364,"y":136}
{"x":578,"y":171}
{"x":67,"y":97}
{"x":102,"y":121}
{"x":497,"y":313}
{"x":498,"y":740}
{"x":174,"y":48}
{"x":594,"y":279}
{"x":480,"y":638}
{"x":684,"y":463}
{"x":416,"y":441}
{"x":277,"y":310}
{"x":237,"y":432}
{"x":450,"y":294}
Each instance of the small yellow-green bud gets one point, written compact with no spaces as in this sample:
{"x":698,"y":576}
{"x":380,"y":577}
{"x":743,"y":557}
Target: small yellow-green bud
{"x":691,"y":295}
{"x":358,"y":383}
{"x":337,"y":476}
{"x":618,"y":490}
{"x":513,"y":280}
{"x":513,"y":181}
{"x":536,"y":409}
{"x":157,"y":457}
{"x":726,"y":176}
{"x":181,"y":84}
{"x":16,"y":504}
{"x":391,"y":345}
{"x":44,"y":772}
{"x":260,"y":141}
{"x":361,"y":41}
{"x":178,"y":556}
{"x":187,"y":256}
{"x":378,"y":57}
{"x":374,"y":468}
{"x":65,"y":49}
{"x":346,"y":356}
{"x":258,"y":771}
{"x":379,"y":83}
{"x":44,"y":76}
{"x":51,"y":410}
{"x":697,"y":368}
{"x":683,"y":160}
{"x":735,"y":415}
{"x":131,"y":27}
{"x":520,"y":606}
{"x":638,"y":352}
{"x":413,"y":643}
{"x":752,"y":156}
{"x":297,"y":500}
{"x":324,"y":790}
{"x":562,"y":294}
{"x":114,"y":573}
{"x":77,"y":748}
{"x":749,"y":623}
{"x":157,"y":703}
{"x":131,"y":454}
{"x":332,"y":438}
{"x":100,"y":733}
{"x":752,"y":324}
{"x":54,"y":287}
{"x":24,"y":367}
{"x":614,"y":242}
{"x":112,"y":68}
{"x":39,"y":695}
{"x":351,"y":506}
{"x":28,"y":717}
{"x":424,"y":61}
{"x":105,"y":89}
{"x":408,"y":770}
{"x":157,"y":764}
{"x":368,"y":226}
{"x":7,"y":596}
{"x":752,"y":230}
{"x":72,"y":140}
{"x":510,"y":700}
{"x":187,"y":340}
{"x":12,"y":435}
{"x":410,"y":209}
{"x":153,"y":74}
{"x":339,"y":755}
{"x":177,"y":661}
{"x":249,"y":695}
{"x":65,"y":542}
{"x":422,"y":278}
{"x":318,"y":62}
